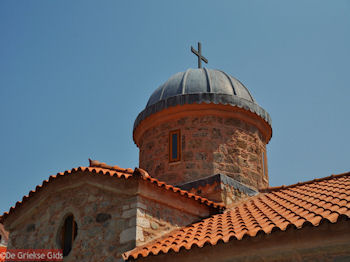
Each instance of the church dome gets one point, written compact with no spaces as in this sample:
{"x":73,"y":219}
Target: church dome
{"x":201,"y":85}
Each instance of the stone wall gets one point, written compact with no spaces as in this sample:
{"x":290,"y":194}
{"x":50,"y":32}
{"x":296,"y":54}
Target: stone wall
{"x":210,"y":144}
{"x":155,"y":219}
{"x":112,"y":215}
{"x":104,"y":211}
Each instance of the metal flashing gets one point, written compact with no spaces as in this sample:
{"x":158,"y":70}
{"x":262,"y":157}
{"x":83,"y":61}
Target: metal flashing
{"x":202,"y":98}
{"x":220,"y":178}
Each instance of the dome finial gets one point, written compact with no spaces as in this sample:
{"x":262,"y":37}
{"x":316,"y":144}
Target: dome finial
{"x":199,"y":54}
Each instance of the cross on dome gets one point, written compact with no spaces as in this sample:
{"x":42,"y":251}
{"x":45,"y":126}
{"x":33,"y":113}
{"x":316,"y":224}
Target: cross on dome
{"x":199,"y":54}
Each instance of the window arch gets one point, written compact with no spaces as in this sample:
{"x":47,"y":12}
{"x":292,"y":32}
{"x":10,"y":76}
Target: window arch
{"x":69,"y":231}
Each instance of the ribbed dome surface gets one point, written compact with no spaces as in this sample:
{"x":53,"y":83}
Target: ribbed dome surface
{"x":200,"y":80}
{"x":201,"y":85}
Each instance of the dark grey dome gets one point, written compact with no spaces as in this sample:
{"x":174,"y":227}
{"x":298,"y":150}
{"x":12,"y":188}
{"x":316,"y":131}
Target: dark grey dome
{"x":200,"y":80}
{"x":201,"y":85}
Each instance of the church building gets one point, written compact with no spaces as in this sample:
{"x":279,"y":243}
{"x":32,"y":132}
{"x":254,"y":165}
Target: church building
{"x":201,"y":191}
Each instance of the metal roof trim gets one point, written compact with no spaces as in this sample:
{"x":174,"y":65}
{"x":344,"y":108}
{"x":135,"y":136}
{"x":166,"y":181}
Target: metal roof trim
{"x":199,"y":98}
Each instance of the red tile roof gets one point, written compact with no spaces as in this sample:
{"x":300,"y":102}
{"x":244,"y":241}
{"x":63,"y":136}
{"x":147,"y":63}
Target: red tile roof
{"x":117,"y":172}
{"x":295,"y":206}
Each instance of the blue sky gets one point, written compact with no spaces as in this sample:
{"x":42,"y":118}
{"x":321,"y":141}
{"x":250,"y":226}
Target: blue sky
{"x":75,"y":74}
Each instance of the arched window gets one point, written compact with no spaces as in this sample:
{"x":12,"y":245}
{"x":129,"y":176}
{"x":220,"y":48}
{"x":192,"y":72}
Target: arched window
{"x":69,"y":232}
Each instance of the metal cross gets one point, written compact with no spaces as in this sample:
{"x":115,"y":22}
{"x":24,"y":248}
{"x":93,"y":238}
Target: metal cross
{"x":199,"y":54}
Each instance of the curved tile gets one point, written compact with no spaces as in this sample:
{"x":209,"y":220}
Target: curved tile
{"x":276,"y":209}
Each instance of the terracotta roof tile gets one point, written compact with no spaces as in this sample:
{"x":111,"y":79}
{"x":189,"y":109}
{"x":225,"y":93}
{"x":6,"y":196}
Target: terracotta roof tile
{"x":117,"y":172}
{"x":308,"y":203}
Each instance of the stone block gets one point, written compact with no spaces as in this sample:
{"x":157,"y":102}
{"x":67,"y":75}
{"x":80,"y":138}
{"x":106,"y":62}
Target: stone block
{"x":183,"y":142}
{"x":195,"y":143}
{"x":31,"y":228}
{"x":138,"y":204}
{"x":216,"y":133}
{"x":208,"y":165}
{"x":87,"y":220}
{"x":188,"y":156}
{"x":127,"y":235}
{"x":129,"y":213}
{"x":143,"y":222}
{"x":201,"y":155}
{"x":200,"y":134}
{"x":232,"y":122}
{"x":132,"y":222}
{"x":139,"y":234}
{"x":122,"y":223}
{"x":182,"y":121}
{"x":93,"y":231}
{"x":242,"y":144}
{"x":218,"y":157}
{"x":154,"y":225}
{"x":190,"y":165}
{"x":232,"y":168}
{"x":140,"y":212}
{"x":92,"y":198}
{"x":103,"y":217}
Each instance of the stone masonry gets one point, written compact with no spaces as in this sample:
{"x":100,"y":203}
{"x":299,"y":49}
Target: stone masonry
{"x":210,"y":145}
{"x":160,"y":211}
{"x":113,"y":215}
{"x":155,"y":219}
{"x":98,"y":207}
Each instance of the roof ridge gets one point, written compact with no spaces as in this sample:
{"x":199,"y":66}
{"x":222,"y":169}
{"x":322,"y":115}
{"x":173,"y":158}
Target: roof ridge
{"x":114,"y":171}
{"x":182,"y":192}
{"x":95,"y":163}
{"x":271,"y":189}
{"x":60,"y":174}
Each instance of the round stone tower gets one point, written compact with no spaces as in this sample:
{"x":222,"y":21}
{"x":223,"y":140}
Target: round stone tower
{"x":203,"y":122}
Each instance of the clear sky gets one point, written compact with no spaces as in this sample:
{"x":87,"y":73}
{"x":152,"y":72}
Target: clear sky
{"x":75,"y":74}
